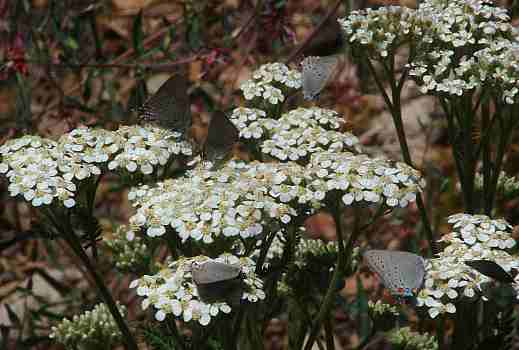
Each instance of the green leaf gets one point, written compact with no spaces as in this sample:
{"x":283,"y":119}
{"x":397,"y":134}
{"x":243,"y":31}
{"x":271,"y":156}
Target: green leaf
{"x":363,"y":320}
{"x":137,"y":34}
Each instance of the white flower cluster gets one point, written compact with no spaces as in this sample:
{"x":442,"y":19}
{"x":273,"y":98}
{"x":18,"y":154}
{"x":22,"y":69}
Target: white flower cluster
{"x":128,"y":251}
{"x":146,"y":147}
{"x":41,"y":170}
{"x":251,"y":122}
{"x":498,"y":66}
{"x":269,"y":81}
{"x":490,"y":46}
{"x":384,"y":29}
{"x":380,"y":308}
{"x":238,"y":199}
{"x":405,"y":338}
{"x":95,"y":329}
{"x":173,"y":291}
{"x":438,"y":30}
{"x":507,"y":186}
{"x":360,"y":178}
{"x":448,"y":279}
{"x":314,"y":247}
{"x":305,"y":131}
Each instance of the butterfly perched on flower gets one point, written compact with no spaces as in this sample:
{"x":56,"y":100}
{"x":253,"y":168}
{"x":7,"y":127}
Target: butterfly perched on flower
{"x":169,"y":107}
{"x":218,"y":281}
{"x":402,"y":273}
{"x":317,"y":71}
{"x":319,"y":63}
{"x":221,"y":137}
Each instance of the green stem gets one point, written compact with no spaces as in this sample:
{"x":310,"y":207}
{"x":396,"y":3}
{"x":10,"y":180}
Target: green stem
{"x":394,"y":106}
{"x":172,"y":326}
{"x":440,"y":334}
{"x":64,"y":228}
{"x":72,"y":241}
{"x":342,"y":265}
{"x":506,"y":131}
{"x":328,"y":331}
{"x":487,"y":163}
{"x":469,"y":168}
{"x":451,"y":131}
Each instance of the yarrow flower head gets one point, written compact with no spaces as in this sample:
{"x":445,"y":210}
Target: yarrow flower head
{"x":251,"y":122}
{"x":448,"y":279}
{"x":236,"y":200}
{"x":507,"y":186}
{"x":269,"y":82}
{"x":95,"y":329}
{"x":384,"y":316}
{"x":144,"y":148}
{"x":41,"y":170}
{"x":304,"y":131}
{"x":173,"y":291}
{"x":437,"y":31}
{"x":360,"y":178}
{"x":404,"y":338}
{"x":128,"y":250}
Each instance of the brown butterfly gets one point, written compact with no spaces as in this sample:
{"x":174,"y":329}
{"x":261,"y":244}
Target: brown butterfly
{"x":221,"y":137}
{"x":169,"y":107}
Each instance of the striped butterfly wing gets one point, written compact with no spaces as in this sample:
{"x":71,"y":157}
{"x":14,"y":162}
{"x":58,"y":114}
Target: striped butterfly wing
{"x":221,"y":137}
{"x":401,"y":272}
{"x":169,"y":106}
{"x":316,"y":74}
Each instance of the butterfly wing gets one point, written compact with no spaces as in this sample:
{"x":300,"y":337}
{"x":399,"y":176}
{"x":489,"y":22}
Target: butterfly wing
{"x":316,"y":73}
{"x":412,"y":271}
{"x":491,"y":269}
{"x":169,"y":106}
{"x":229,"y":291}
{"x":401,"y":272}
{"x":328,"y":41}
{"x":213,"y":271}
{"x":221,"y":137}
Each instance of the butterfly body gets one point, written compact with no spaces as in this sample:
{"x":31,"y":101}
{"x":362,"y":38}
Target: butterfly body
{"x":402,"y":273}
{"x":317,"y":71}
{"x":169,"y":107}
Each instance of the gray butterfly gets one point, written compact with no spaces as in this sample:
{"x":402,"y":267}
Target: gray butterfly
{"x":169,"y":106}
{"x":401,"y":272}
{"x":221,"y":137}
{"x":316,"y":74}
{"x":216,"y":281}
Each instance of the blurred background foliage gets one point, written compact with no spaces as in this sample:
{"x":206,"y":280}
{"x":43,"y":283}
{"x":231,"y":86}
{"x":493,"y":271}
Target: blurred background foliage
{"x":66,"y":63}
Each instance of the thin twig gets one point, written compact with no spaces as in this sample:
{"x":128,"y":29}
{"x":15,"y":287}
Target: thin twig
{"x":128,"y":53}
